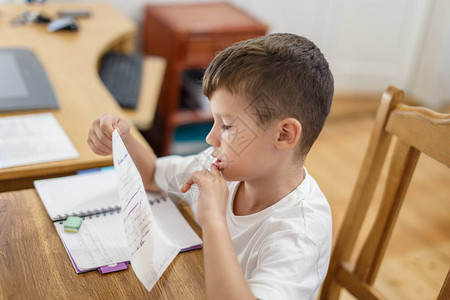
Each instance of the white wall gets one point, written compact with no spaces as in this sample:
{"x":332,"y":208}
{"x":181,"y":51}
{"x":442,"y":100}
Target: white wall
{"x":370,"y":44}
{"x":433,"y":73}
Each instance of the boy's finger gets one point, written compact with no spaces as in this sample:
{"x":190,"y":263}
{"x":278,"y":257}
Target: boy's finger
{"x":102,"y":137}
{"x":107,"y":123}
{"x":185,"y":187}
{"x":188,"y":183}
{"x":97,"y":147}
{"x":213,"y":168}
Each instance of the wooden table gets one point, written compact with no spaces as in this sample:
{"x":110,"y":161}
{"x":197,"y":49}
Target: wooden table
{"x":71,"y":61}
{"x":188,"y":36}
{"x":35,"y":265}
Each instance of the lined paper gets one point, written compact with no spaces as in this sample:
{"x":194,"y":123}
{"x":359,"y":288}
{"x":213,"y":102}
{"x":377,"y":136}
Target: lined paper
{"x":99,"y":242}
{"x":151,"y":252}
{"x":173,"y":224}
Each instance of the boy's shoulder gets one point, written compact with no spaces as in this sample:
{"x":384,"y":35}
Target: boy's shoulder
{"x":300,"y":211}
{"x":305,"y":211}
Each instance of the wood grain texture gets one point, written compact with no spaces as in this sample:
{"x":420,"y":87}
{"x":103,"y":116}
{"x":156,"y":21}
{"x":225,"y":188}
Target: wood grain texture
{"x":70,"y":60}
{"x":35,"y":265}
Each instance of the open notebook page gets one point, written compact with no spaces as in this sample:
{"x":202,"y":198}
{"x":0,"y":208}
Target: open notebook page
{"x":100,"y":242}
{"x":101,"y":239}
{"x":78,"y":193}
{"x":172,"y":223}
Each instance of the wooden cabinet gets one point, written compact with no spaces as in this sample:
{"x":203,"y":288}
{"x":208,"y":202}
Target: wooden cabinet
{"x":189,"y":36}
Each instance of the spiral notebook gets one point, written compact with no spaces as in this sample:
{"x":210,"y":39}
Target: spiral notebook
{"x":101,"y":240}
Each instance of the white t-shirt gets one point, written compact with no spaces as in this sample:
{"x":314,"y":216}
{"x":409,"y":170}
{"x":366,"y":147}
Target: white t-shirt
{"x":284,"y":249}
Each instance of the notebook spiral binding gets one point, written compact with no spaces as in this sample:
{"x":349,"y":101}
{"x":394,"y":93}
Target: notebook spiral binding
{"x":103,"y":211}
{"x":90,"y":213}
{"x":157,"y":200}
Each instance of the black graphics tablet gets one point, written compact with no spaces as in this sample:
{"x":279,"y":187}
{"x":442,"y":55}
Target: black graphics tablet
{"x":24,"y":85}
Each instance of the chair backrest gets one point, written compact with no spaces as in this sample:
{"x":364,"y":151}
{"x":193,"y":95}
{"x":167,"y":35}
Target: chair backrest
{"x":417,"y":130}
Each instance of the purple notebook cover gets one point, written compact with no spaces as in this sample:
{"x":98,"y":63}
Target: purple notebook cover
{"x":119,"y":266}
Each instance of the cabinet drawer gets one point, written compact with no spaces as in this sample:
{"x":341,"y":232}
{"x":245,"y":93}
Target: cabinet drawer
{"x":199,"y":53}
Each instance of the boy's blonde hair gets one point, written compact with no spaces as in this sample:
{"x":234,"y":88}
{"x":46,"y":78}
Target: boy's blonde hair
{"x":280,"y":75}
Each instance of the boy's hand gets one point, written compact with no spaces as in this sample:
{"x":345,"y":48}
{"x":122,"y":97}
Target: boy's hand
{"x":100,"y":134}
{"x":212,"y":199}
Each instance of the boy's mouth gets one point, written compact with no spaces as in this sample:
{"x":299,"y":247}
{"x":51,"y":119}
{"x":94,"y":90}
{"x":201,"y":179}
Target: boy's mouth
{"x":217,"y":164}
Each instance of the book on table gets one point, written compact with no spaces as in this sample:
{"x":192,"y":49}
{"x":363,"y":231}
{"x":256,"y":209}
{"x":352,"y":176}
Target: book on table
{"x":101,"y":242}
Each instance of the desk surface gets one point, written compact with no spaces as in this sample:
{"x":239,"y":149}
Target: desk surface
{"x":35,"y":265}
{"x":71,"y":62}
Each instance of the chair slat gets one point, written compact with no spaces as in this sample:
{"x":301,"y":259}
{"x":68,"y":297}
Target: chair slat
{"x":357,"y":288}
{"x":401,"y":169}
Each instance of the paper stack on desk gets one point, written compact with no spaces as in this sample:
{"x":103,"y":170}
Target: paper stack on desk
{"x":33,"y":139}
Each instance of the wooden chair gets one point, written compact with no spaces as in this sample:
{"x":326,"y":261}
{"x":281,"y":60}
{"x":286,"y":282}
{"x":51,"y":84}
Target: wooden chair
{"x":152,"y":78}
{"x":417,"y":130}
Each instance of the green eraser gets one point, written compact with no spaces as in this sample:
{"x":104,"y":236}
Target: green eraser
{"x":72,"y":224}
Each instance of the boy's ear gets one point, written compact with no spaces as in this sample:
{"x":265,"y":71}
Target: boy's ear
{"x":290,"y":131}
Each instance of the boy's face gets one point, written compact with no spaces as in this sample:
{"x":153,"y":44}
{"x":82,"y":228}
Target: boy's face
{"x":244,"y":150}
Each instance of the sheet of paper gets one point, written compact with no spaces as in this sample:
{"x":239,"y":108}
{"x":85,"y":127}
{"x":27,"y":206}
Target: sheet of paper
{"x":100,"y":241}
{"x":32,"y":139}
{"x":151,"y":252}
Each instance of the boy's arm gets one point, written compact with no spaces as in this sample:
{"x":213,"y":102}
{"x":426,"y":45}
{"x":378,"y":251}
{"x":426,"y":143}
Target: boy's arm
{"x":100,"y":141}
{"x":223,"y":274}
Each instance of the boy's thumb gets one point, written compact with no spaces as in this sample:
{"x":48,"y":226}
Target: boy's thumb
{"x":120,"y":126}
{"x":116,"y":128}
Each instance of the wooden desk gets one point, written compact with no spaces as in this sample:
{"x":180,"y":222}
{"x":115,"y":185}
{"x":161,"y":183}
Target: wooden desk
{"x":188,"y":36}
{"x":35,"y":265}
{"x":71,"y":62}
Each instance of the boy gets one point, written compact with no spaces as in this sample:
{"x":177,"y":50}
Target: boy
{"x":266,"y":225}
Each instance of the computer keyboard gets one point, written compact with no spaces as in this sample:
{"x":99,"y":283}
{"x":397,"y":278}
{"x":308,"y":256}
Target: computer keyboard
{"x":122,"y":75}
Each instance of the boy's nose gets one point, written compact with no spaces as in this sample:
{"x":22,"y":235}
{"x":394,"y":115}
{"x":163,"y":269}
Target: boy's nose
{"x":212,"y":139}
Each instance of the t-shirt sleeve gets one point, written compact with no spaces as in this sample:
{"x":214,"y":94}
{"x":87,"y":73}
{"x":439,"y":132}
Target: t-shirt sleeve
{"x":287,"y":269}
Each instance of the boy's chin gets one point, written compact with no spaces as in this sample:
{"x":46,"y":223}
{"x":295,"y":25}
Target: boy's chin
{"x":230,"y":176}
{"x":227,"y":176}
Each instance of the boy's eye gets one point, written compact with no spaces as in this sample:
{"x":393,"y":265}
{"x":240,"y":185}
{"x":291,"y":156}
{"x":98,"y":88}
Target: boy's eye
{"x":226,"y":127}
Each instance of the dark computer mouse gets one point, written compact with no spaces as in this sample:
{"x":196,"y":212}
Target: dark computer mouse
{"x":65,"y":23}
